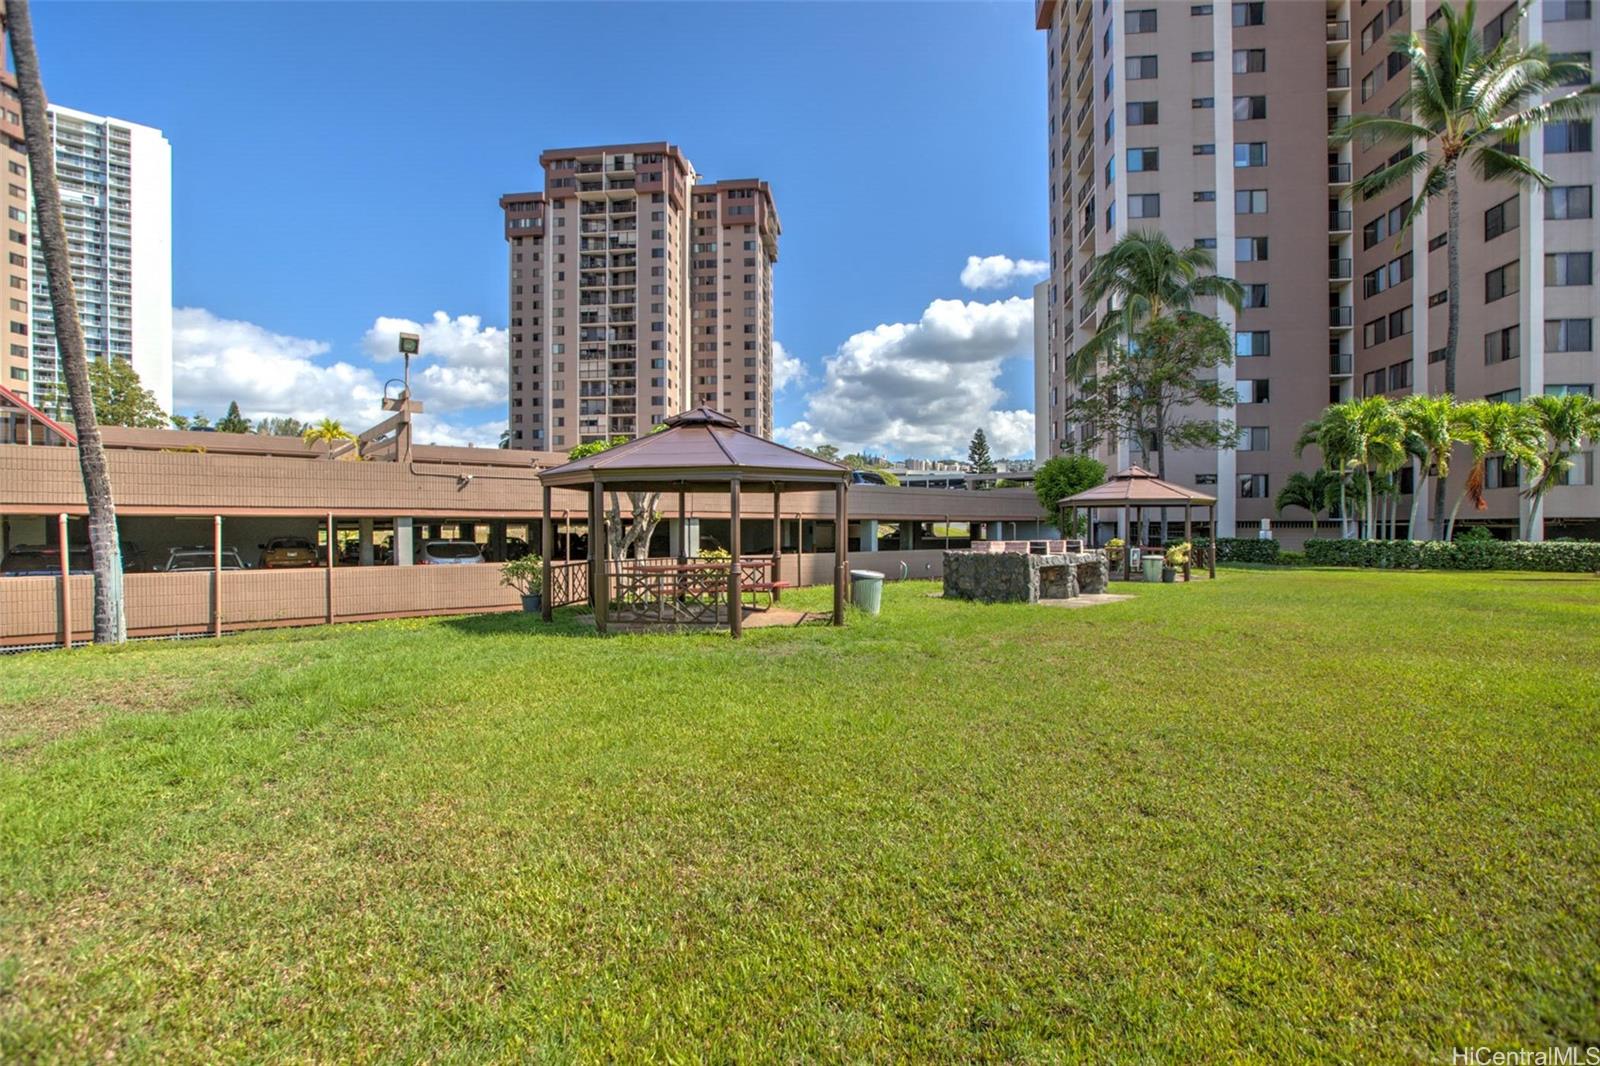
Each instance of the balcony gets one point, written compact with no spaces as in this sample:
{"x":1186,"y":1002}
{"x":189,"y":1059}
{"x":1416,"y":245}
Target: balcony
{"x":1339,"y":221}
{"x":1338,"y":77}
{"x":1341,"y":317}
{"x":1338,"y":173}
{"x":1338,"y":32}
{"x":1339,"y":365}
{"x":1339,"y":269}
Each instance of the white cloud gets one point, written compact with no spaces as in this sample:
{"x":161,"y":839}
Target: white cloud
{"x":1001,"y":271}
{"x":786,"y":369}
{"x":217,"y":361}
{"x":921,"y":388}
{"x":458,"y":341}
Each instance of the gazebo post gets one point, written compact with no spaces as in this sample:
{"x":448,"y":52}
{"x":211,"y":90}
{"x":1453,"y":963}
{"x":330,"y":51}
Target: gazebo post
{"x":1211,"y":556}
{"x":1188,"y":534}
{"x":735,"y":597}
{"x":547,"y":548}
{"x":841,"y":545}
{"x":683,"y":529}
{"x":777,"y":539}
{"x":1127,"y":548}
{"x":599,"y":584}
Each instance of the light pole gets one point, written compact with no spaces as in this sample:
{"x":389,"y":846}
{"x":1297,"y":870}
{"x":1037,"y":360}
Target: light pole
{"x":410,"y":343}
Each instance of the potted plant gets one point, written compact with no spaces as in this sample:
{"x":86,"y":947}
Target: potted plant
{"x":526,"y":575}
{"x":1114,"y":548}
{"x":1176,"y":556}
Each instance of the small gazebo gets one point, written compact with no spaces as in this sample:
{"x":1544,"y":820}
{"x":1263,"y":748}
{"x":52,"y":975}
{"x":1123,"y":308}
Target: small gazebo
{"x":1133,"y":491}
{"x":700,"y":451}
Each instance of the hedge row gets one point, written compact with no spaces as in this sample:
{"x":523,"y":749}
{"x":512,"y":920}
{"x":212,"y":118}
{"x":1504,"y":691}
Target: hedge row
{"x":1555,"y":555}
{"x":1243,"y":550}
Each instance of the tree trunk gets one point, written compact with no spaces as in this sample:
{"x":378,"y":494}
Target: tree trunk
{"x":1452,"y":319}
{"x":110,"y":625}
{"x":1372,"y":516}
{"x":1344,"y":511}
{"x":645,"y":519}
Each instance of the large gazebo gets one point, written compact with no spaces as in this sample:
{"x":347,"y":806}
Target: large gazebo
{"x":1133,"y":491}
{"x":700,"y":451}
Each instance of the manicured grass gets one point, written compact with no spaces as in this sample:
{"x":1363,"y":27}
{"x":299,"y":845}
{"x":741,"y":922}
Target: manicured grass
{"x":1298,"y":814}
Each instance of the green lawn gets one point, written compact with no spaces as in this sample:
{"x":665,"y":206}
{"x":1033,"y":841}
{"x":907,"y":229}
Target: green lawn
{"x":1342,"y":815}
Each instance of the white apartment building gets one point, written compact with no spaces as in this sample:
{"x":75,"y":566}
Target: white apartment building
{"x":116,"y":194}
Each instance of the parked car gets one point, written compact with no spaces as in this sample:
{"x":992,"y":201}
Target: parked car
{"x":867,"y":477}
{"x":35,"y":560}
{"x":288,"y":553}
{"x":449,"y":553}
{"x":199,"y":557}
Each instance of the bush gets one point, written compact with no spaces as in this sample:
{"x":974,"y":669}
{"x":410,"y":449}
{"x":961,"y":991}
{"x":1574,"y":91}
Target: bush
{"x":526,"y":574}
{"x":1573,"y":557}
{"x":1243,"y":550}
{"x":1292,"y":559}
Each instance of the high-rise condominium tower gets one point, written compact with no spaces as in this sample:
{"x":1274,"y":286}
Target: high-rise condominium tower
{"x":1210,"y":123}
{"x":636,"y":292}
{"x":116,"y":198}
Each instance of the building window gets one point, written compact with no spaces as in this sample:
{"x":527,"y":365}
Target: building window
{"x":1250,"y":154}
{"x":1201,"y":103}
{"x":1569,"y":334}
{"x":1205,"y":149}
{"x":1202,"y":57}
{"x":1142,"y":68}
{"x":1569,"y":268}
{"x":1501,"y":472}
{"x":1249,"y":60}
{"x":1250,"y":201}
{"x":1250,"y":14}
{"x":1252,"y":486}
{"x":1144,"y":205}
{"x":1142,"y":20}
{"x":1249,"y":344}
{"x":1205,"y":196}
{"x":1143,"y":159}
{"x":1252,"y":390}
{"x":1570,"y":136}
{"x":1400,"y":376}
{"x":1566,"y":10}
{"x":1569,"y":201}
{"x":1255,"y":295}
{"x":1371,"y":83}
{"x":1246,"y":108}
{"x":1253,"y":439}
{"x":1502,"y":218}
{"x":1371,"y":33}
{"x":1499,"y":345}
{"x":1502,"y":281}
{"x":1569,"y":390}
{"x":1250,"y":249}
{"x":1400,"y":322}
{"x":1143,"y":113}
{"x":1375,"y":332}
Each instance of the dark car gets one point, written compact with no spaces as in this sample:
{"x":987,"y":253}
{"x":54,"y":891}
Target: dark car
{"x":32,"y":560}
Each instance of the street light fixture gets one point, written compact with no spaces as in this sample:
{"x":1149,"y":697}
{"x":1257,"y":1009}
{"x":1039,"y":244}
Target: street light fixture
{"x":410,"y":344}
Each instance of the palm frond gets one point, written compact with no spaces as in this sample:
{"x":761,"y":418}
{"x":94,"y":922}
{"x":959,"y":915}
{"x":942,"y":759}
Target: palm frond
{"x":1492,"y":164}
{"x":1382,"y":180}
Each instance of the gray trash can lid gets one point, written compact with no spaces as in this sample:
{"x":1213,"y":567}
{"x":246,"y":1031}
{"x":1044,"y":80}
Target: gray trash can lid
{"x":866,"y":574}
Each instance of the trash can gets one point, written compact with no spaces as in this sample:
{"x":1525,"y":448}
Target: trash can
{"x":866,"y":590}
{"x":1153,"y":562}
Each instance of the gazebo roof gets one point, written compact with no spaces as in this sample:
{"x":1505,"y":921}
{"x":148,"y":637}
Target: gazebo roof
{"x":1136,"y":487}
{"x":701,"y":448}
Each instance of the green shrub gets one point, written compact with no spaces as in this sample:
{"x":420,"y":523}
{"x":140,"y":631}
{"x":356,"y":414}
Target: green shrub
{"x":1243,"y":550}
{"x":1476,"y":554}
{"x":1292,"y":559}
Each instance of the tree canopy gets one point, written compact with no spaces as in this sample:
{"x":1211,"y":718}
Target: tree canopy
{"x":120,"y":399}
{"x":978,"y":453}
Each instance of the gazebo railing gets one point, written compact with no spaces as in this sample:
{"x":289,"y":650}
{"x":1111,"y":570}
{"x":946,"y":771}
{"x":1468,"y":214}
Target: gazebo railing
{"x":666,"y":592}
{"x":569,"y":582}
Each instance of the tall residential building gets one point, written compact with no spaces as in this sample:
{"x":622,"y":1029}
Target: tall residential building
{"x":16,"y":356}
{"x":1210,"y":123}
{"x":116,"y":199}
{"x":636,"y":291}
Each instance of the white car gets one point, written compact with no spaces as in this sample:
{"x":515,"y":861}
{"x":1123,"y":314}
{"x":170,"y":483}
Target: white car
{"x":449,"y":553}
{"x":200,"y":558}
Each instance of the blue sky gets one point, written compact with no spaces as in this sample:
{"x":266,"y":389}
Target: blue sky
{"x":335,"y":164}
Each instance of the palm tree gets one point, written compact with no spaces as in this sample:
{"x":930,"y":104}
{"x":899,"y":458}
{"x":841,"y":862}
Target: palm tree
{"x":329,"y":431}
{"x":1311,"y":492}
{"x":1564,"y":423}
{"x":1434,"y":425}
{"x":1148,"y":278}
{"x":1494,"y":426}
{"x":1467,"y":104}
{"x":110,"y":623}
{"x":1336,"y":436}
